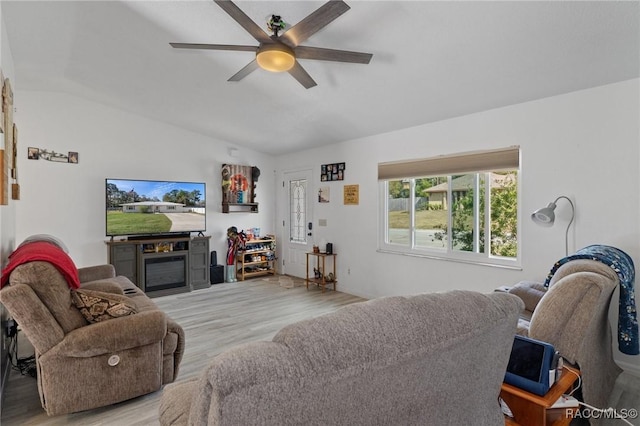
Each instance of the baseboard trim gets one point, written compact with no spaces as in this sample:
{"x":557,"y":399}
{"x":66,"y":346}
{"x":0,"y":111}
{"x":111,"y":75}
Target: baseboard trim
{"x":632,"y":369}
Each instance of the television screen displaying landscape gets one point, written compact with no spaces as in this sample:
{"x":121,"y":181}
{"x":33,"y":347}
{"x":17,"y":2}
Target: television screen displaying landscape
{"x":146,"y":207}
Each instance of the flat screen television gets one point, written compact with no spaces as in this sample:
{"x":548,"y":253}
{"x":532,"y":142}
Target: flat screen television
{"x":154,"y":207}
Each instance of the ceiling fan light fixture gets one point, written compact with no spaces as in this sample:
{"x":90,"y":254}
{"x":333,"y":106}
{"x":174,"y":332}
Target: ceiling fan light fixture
{"x":275,"y":57}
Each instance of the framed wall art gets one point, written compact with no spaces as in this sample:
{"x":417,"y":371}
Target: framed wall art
{"x":33,"y":153}
{"x":323,"y":194}
{"x":351,"y":195}
{"x":331,"y":172}
{"x":7,"y":154}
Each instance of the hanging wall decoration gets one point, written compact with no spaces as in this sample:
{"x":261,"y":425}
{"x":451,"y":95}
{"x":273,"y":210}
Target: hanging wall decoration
{"x":239,"y":188}
{"x":7,"y":153}
{"x":351,"y":195}
{"x":2,"y":106}
{"x":34,"y":153}
{"x":15,"y":186}
{"x":333,"y":171}
{"x":323,"y":194}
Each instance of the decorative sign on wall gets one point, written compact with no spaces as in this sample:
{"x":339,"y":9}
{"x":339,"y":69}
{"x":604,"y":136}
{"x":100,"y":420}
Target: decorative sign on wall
{"x":239,"y":183}
{"x":351,"y":195}
{"x":333,"y":171}
{"x":58,"y":157}
{"x":323,"y":194}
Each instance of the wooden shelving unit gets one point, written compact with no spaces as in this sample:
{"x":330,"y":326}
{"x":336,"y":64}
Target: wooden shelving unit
{"x":258,"y":258}
{"x":239,"y":207}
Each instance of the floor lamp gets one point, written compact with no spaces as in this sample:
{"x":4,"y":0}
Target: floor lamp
{"x":545,"y":217}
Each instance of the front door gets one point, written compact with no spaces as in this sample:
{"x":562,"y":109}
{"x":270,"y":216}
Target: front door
{"x":297,"y":220}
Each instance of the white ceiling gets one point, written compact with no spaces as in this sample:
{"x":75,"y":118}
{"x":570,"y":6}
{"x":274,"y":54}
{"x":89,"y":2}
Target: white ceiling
{"x":432,"y":60}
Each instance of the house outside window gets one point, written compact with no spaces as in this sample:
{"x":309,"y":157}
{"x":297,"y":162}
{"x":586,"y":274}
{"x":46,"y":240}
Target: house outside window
{"x":460,"y":207}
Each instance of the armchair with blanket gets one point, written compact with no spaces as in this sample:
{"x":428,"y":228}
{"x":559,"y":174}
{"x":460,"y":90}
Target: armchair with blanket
{"x":98,"y":338}
{"x":571,"y":311}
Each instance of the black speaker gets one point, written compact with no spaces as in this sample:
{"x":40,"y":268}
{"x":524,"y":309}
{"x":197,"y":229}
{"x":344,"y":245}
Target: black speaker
{"x":216,"y":274}
{"x":214,"y":258}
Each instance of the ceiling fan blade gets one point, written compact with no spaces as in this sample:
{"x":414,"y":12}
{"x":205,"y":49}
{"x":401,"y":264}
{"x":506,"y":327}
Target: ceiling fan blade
{"x":302,"y":76}
{"x":314,"y":22}
{"x":248,"y":69}
{"x":214,"y":46}
{"x":318,"y":53}
{"x":241,"y":18}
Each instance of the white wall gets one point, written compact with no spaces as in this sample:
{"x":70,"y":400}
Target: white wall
{"x":7,"y":213}
{"x":584,"y":145}
{"x":68,"y":200}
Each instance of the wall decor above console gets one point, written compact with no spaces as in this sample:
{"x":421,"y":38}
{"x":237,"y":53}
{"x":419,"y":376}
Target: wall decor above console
{"x":239,"y":188}
{"x":58,"y":157}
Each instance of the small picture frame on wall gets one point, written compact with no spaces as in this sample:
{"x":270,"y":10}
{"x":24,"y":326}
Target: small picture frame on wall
{"x":73,"y":157}
{"x":323,"y":194}
{"x":33,"y":153}
{"x":332,"y":172}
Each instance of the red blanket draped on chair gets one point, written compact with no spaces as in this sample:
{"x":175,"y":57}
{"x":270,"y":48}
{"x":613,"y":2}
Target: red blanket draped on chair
{"x":46,"y":252}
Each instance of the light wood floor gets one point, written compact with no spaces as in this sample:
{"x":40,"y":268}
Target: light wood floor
{"x":216,"y":319}
{"x":213,"y":319}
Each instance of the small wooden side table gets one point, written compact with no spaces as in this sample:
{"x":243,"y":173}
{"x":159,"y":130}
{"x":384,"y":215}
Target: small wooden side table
{"x":321,"y":266}
{"x":533,"y":410}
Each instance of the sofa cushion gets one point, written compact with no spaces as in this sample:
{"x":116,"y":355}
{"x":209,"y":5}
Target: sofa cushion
{"x":530,"y":292}
{"x":98,"y":306}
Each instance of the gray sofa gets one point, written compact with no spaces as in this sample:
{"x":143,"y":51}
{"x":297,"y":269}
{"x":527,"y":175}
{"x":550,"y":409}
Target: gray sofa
{"x":431,"y":359}
{"x":81,"y":364}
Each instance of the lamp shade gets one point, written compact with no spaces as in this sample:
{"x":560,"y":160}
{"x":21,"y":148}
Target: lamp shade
{"x":275,"y":57}
{"x":545,"y":216}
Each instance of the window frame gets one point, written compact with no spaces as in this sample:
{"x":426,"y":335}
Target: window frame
{"x":410,"y":249}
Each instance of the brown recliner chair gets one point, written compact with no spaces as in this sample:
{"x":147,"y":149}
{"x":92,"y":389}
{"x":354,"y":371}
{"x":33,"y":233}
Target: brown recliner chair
{"x":572,"y":315}
{"x":83,"y":365}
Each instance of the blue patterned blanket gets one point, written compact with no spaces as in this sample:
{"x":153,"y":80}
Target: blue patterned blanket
{"x":622,"y":264}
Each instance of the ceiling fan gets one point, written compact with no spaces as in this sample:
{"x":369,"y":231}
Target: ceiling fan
{"x":280,"y":53}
